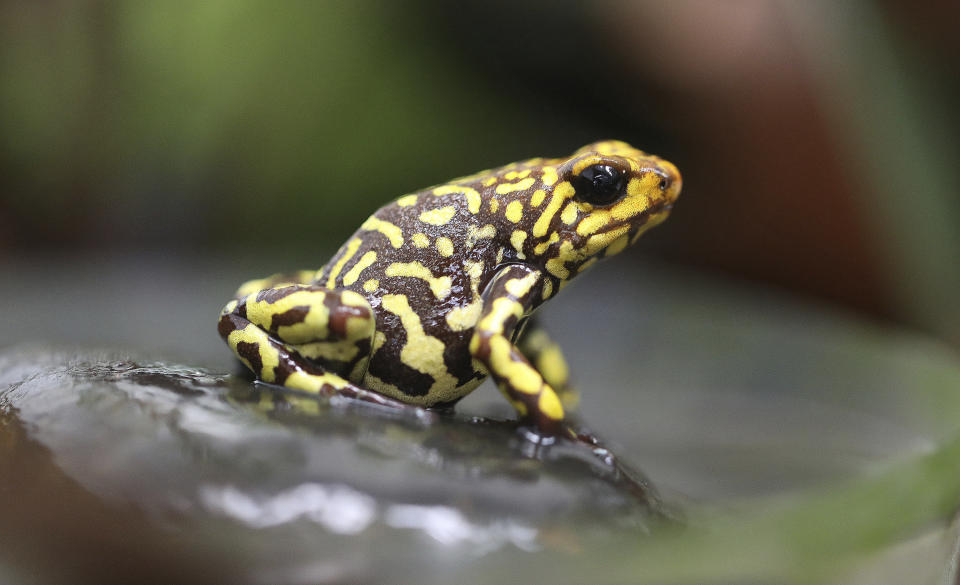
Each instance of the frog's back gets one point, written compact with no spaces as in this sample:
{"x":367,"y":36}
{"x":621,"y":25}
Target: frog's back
{"x":422,"y":262}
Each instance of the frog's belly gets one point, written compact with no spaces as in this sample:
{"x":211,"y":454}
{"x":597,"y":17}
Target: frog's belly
{"x":421,"y":361}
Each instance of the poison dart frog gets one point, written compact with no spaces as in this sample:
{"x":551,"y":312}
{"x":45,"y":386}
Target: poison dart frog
{"x":433,"y":292}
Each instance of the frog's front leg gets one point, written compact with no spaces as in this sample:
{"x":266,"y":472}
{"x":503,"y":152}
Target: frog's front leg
{"x":508,"y":298}
{"x":304,"y":337}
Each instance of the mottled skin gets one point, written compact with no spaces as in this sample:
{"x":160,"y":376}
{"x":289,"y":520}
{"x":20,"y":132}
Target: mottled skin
{"x":430,"y":295}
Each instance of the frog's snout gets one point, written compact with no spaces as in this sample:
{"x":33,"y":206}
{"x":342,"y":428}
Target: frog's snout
{"x":671,"y":182}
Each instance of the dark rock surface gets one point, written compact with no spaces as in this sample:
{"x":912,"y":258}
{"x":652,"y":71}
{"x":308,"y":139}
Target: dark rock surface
{"x":200,"y":470}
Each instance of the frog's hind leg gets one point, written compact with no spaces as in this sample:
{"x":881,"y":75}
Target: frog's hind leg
{"x":304,"y":337}
{"x":278,"y":280}
{"x":544,"y":353}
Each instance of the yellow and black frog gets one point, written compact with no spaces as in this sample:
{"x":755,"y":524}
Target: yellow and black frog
{"x":431,"y":294}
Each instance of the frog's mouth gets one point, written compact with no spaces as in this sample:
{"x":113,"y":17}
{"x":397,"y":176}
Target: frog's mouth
{"x":653,"y":217}
{"x":614,"y":239}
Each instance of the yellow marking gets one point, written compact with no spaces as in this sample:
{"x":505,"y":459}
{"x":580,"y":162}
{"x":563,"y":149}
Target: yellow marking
{"x":490,"y":182}
{"x":514,"y":211}
{"x":537,"y":198}
{"x":590,"y":262}
{"x":352,"y":247}
{"x":628,"y":207}
{"x":521,"y":286}
{"x":547,"y":288}
{"x":371,"y":285}
{"x":313,"y":326}
{"x":314,"y":383}
{"x":494,"y":205}
{"x":473,"y":198}
{"x":252,"y":286}
{"x":393,"y":233}
{"x":597,"y":242}
{"x":549,"y":360}
{"x":375,"y":384}
{"x":504,"y":188}
{"x":550,"y":405}
{"x":379,"y":338}
{"x":474,"y":233}
{"x":465,"y":317}
{"x":500,"y":252}
{"x":588,"y":161}
{"x":569,"y":214}
{"x":439,"y":285}
{"x":444,"y":247}
{"x":593,"y":222}
{"x":549,"y":176}
{"x":420,"y":240}
{"x":474,"y":269}
{"x":555,"y":266}
{"x":274,"y":281}
{"x":514,"y":175}
{"x":542,"y":246}
{"x":502,"y":309}
{"x":362,"y":264}
{"x":229,"y":307}
{"x":439,"y":216}
{"x":340,"y":350}
{"x":516,"y":240}
{"x":617,"y":246}
{"x":563,"y":191}
{"x":353,"y":299}
{"x":407,"y":200}
{"x":269,"y":355}
{"x":421,"y":352}
{"x":520,"y":375}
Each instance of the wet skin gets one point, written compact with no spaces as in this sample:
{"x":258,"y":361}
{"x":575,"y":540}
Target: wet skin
{"x":434,"y":291}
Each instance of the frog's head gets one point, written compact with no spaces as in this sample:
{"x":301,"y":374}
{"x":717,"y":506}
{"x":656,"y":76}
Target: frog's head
{"x":609,"y":193}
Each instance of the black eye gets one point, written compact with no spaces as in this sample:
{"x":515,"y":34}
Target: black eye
{"x":600,"y":184}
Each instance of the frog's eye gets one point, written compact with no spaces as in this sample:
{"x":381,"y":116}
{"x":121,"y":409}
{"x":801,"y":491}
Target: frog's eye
{"x":600,"y":184}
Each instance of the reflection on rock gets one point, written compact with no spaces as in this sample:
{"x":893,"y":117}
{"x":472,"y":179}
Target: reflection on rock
{"x":286,"y":478}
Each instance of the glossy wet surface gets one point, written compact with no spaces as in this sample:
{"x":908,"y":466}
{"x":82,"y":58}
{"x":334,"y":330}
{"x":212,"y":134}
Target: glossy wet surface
{"x":219,"y":460}
{"x":131,"y":467}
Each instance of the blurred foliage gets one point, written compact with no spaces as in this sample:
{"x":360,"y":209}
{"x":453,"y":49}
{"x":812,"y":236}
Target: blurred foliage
{"x":243,"y":124}
{"x":223,"y":121}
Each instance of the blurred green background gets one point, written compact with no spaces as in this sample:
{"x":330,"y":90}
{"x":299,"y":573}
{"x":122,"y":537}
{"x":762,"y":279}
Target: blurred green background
{"x":818,"y":141}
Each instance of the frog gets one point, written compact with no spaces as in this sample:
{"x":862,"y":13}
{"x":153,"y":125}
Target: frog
{"x":438,"y":289}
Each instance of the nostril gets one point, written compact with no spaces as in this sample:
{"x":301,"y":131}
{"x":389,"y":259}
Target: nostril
{"x":665,"y":181}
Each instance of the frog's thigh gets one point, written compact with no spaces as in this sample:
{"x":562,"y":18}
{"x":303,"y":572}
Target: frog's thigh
{"x":547,"y":357}
{"x":278,"y":280}
{"x":276,"y":362}
{"x":506,"y":300}
{"x":332,"y":328}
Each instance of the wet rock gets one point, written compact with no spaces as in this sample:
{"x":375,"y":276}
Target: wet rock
{"x":118,"y":469}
